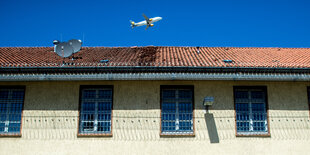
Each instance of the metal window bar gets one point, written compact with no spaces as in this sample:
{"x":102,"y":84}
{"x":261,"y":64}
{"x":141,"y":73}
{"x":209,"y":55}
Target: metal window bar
{"x":11,"y":103}
{"x":96,"y":109}
{"x":309,"y":95}
{"x":251,"y":111}
{"x":177,"y":111}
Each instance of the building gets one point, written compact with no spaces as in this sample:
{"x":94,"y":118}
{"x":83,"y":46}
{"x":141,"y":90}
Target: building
{"x":149,"y":100}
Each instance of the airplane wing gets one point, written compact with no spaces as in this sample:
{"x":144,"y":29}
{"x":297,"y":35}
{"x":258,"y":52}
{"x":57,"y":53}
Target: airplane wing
{"x":147,"y":26}
{"x":146,"y":19}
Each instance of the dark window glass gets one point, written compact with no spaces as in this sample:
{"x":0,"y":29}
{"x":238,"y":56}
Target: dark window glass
{"x":177,"y":111}
{"x":251,"y":115}
{"x":96,"y":110}
{"x":11,"y":104}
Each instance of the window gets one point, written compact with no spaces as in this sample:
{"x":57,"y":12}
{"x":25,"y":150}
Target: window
{"x":95,"y":110}
{"x":309,"y":97}
{"x":251,"y":110}
{"x":177,"y":110}
{"x":11,"y":106}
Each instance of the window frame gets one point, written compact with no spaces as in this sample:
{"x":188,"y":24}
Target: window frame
{"x":178,"y":134}
{"x":308,"y":98}
{"x":8,"y":134}
{"x":82,"y":87}
{"x":264,"y":89}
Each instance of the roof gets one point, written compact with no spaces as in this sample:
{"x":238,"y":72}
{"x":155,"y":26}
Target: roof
{"x":158,"y":56}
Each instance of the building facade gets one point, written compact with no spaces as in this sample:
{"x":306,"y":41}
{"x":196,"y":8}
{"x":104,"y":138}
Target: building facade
{"x":149,"y":104}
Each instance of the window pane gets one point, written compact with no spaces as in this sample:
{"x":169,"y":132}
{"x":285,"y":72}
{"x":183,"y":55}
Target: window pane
{"x":2,"y":126}
{"x":3,"y":117}
{"x":258,"y":111}
{"x":88,"y":126}
{"x":18,"y":95}
{"x":106,"y":94}
{"x":104,"y":126}
{"x":88,"y":117}
{"x":168,"y":116}
{"x":243,"y":117}
{"x":169,"y":107}
{"x":89,"y":94}
{"x":257,"y":96}
{"x":259,"y":126}
{"x":104,"y":106}
{"x":242,"y":97}
{"x":243,"y":126}
{"x":185,"y":126}
{"x":185,"y":94}
{"x":16,"y":107}
{"x":185,"y":107}
{"x":168,"y":126}
{"x":3,"y":107}
{"x":104,"y":117}
{"x":168,"y":94}
{"x":14,"y":127}
{"x":4,"y":94}
{"x":88,"y":106}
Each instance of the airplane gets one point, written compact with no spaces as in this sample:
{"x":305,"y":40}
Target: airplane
{"x":148,"y":22}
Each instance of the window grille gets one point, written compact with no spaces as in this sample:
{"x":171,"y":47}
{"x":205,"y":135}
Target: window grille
{"x":11,"y":105}
{"x":177,"y":111}
{"x":309,"y":95}
{"x":251,"y":113}
{"x":95,"y":112}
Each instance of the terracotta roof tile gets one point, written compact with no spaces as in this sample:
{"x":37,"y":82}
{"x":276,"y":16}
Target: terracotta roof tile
{"x":159,"y":56}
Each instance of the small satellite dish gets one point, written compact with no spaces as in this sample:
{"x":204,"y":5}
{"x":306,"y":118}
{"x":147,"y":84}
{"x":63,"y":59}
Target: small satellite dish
{"x":64,"y":49}
{"x":56,"y":42}
{"x":76,"y":45}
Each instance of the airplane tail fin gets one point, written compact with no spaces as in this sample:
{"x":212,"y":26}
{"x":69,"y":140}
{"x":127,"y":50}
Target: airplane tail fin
{"x":132,"y":24}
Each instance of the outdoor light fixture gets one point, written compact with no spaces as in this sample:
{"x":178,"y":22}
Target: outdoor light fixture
{"x":208,"y":101}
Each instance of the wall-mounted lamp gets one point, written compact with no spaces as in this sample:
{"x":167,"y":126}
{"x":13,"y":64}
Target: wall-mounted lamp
{"x":208,"y":101}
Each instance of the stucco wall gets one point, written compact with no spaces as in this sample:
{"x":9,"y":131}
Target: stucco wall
{"x":51,"y":113}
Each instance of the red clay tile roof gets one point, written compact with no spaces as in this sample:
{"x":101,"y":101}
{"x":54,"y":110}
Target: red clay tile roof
{"x":159,"y":56}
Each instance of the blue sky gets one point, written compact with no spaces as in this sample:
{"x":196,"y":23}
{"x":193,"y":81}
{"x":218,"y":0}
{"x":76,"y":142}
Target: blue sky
{"x":229,"y":23}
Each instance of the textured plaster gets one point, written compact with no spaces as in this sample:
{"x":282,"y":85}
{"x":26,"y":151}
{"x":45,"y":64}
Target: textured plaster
{"x":50,"y":120}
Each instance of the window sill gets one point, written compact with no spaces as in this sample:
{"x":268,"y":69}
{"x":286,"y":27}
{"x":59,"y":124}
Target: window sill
{"x":254,"y":135}
{"x":11,"y":135}
{"x":177,"y":135}
{"x":94,"y":135}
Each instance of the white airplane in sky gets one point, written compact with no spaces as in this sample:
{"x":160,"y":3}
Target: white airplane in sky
{"x":148,"y":22}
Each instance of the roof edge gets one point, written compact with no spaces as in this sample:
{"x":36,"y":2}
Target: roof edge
{"x":151,"y":69}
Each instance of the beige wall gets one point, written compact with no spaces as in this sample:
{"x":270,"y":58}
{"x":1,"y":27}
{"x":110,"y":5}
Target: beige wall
{"x":51,"y":114}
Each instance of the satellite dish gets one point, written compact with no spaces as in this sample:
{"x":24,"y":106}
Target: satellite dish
{"x":76,"y":45}
{"x":56,"y":42}
{"x":64,"y":49}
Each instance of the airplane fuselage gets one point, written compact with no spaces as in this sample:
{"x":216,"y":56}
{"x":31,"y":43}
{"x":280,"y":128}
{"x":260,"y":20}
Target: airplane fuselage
{"x":152,"y":20}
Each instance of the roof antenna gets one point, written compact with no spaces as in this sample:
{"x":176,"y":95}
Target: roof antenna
{"x":83,"y":38}
{"x":198,"y":49}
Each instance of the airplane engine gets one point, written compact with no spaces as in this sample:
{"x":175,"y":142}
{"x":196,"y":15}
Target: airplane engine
{"x":151,"y":19}
{"x":152,"y":25}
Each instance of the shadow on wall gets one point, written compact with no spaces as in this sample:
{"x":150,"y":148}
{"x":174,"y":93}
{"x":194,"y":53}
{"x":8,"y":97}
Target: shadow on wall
{"x":145,"y":95}
{"x":212,"y":130}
